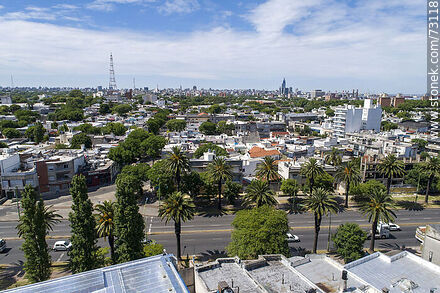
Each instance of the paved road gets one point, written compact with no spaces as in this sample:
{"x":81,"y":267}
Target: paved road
{"x":205,"y":235}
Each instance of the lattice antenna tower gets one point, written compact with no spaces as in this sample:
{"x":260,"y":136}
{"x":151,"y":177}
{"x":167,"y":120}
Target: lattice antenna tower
{"x":112,"y":82}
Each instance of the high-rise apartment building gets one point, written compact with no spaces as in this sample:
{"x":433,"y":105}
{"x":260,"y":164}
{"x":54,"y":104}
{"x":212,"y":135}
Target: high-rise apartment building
{"x":349,"y":119}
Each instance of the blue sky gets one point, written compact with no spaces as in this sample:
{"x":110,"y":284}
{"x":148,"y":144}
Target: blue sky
{"x":374,"y":45}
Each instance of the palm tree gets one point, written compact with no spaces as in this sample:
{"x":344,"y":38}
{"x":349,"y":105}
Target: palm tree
{"x":311,"y":170}
{"x":267,"y":170}
{"x":391,"y":167}
{"x":333,"y":157}
{"x":378,"y":207}
{"x":220,"y":171}
{"x":320,"y":203}
{"x":349,"y":174}
{"x":178,"y":163}
{"x":50,"y":219}
{"x":258,"y":192}
{"x":105,"y":226}
{"x":179,"y":208}
{"x":430,"y":168}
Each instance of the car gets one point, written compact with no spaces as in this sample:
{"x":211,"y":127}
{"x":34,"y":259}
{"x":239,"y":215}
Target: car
{"x":62,"y":246}
{"x":2,"y":245}
{"x":292,"y":238}
{"x":392,"y":226}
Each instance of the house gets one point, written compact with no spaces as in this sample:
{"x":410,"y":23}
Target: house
{"x":431,"y":244}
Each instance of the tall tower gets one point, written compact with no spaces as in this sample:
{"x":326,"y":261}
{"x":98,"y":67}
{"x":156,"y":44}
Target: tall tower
{"x":112,"y":82}
{"x":283,"y":87}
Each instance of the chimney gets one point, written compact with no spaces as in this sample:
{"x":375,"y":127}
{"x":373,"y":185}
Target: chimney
{"x":344,"y":278}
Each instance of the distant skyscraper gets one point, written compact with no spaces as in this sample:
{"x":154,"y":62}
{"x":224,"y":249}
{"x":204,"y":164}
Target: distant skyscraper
{"x":283,"y":87}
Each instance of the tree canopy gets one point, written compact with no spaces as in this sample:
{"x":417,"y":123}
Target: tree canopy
{"x":349,"y":241}
{"x":219,"y":151}
{"x":259,"y":231}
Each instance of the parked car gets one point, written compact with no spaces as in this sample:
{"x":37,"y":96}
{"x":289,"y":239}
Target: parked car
{"x":2,"y":245}
{"x":392,"y":226}
{"x":62,"y":246}
{"x":292,"y":238}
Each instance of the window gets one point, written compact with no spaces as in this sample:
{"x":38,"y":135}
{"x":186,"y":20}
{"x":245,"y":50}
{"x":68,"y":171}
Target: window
{"x":50,"y":168}
{"x":66,"y":166}
{"x":51,"y":178}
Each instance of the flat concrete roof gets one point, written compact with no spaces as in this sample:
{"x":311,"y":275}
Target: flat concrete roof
{"x":403,"y":272}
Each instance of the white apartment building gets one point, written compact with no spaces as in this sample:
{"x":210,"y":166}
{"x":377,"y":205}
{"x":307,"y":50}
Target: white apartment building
{"x":349,"y":119}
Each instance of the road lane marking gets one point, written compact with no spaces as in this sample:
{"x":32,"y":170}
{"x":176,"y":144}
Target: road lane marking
{"x":61,"y":256}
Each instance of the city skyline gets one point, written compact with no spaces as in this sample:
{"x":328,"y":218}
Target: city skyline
{"x":334,"y":45}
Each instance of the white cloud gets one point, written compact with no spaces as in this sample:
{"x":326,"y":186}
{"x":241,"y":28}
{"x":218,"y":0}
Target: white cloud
{"x":179,"y":6}
{"x":1,"y":7}
{"x":325,"y":50}
{"x":109,"y":5}
{"x":60,"y":11}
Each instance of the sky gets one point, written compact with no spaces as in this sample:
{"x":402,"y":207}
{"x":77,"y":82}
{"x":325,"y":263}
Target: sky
{"x":374,"y":46}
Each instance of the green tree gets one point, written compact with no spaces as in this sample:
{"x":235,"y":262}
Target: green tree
{"x":431,"y":168}
{"x":362,"y":191}
{"x":34,"y":224}
{"x":3,"y":145}
{"x":122,"y":109}
{"x":176,"y":125}
{"x":116,"y":128}
{"x":259,"y":193}
{"x":178,"y":163}
{"x":232,"y":191}
{"x":81,"y":139}
{"x":105,"y":226}
{"x":311,"y":169}
{"x":129,"y":224}
{"x":259,"y":231}
{"x":320,"y":203}
{"x":219,"y":151}
{"x":36,"y":132}
{"x":161,"y":178}
{"x":333,"y":157}
{"x":391,"y":167}
{"x":208,"y":128}
{"x":329,"y":112}
{"x":267,"y":170}
{"x":192,"y":183}
{"x":153,"y":248}
{"x":153,"y":145}
{"x":349,"y":174}
{"x":153,"y":125}
{"x":323,"y":180}
{"x":179,"y":208}
{"x":82,"y":223}
{"x":224,"y":127}
{"x":349,"y":241}
{"x":11,"y":133}
{"x":290,"y":187}
{"x":378,"y":207}
{"x":104,"y":109}
{"x":220,"y":171}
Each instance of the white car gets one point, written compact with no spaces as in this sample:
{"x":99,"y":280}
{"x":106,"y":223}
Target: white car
{"x":62,"y":246}
{"x":292,"y":238}
{"x":392,"y":226}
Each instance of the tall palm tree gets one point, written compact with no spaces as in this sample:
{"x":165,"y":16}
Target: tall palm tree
{"x":180,"y":208}
{"x":311,"y":170}
{"x":431,"y":167}
{"x":349,"y":174}
{"x":378,"y":207}
{"x":105,"y":226}
{"x":391,"y":167}
{"x":333,"y":157}
{"x":267,"y":170}
{"x":258,"y":192}
{"x":320,"y":203}
{"x":178,"y":163}
{"x":220,"y":171}
{"x":50,"y":219}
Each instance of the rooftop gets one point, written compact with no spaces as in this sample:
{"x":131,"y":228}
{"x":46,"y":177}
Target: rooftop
{"x":403,"y":272}
{"x":154,"y":274}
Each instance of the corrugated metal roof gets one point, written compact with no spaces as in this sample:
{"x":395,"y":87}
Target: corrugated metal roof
{"x":154,"y":274}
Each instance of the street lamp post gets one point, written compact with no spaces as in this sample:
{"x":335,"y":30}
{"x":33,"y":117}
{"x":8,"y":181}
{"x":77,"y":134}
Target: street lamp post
{"x":329,"y":231}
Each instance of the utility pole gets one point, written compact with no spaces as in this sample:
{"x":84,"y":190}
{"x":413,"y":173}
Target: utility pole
{"x":329,"y":232}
